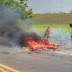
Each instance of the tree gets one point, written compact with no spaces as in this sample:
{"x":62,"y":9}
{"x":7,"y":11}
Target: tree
{"x":18,"y":6}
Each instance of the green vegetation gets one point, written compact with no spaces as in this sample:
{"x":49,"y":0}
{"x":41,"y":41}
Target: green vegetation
{"x":55,"y":21}
{"x":42,"y":28}
{"x":17,"y":6}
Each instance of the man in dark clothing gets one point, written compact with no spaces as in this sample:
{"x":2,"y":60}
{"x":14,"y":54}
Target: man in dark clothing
{"x":71,"y":31}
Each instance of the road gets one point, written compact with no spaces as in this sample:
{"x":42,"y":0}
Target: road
{"x":13,"y":59}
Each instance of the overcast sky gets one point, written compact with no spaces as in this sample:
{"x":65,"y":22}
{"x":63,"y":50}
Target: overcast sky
{"x":45,"y":6}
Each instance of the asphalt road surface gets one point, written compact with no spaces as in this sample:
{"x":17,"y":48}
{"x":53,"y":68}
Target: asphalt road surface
{"x":13,"y":59}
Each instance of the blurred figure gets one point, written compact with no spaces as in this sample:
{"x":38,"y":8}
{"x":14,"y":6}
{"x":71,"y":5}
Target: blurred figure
{"x":71,"y":31}
{"x":48,"y":33}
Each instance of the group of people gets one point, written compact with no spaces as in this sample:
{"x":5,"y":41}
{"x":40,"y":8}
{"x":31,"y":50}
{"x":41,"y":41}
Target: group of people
{"x":48,"y":33}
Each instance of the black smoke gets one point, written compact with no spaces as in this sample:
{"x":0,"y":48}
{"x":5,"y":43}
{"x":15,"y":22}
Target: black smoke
{"x":10,"y":28}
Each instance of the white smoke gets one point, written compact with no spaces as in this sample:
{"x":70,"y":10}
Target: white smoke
{"x":62,"y":37}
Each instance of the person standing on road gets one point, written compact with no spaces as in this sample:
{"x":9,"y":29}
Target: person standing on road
{"x":48,"y":33}
{"x":71,"y":31}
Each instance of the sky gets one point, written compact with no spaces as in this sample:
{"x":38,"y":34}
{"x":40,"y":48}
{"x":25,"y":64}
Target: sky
{"x":46,"y":6}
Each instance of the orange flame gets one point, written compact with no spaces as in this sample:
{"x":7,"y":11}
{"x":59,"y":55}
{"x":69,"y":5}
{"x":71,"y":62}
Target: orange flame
{"x":40,"y":44}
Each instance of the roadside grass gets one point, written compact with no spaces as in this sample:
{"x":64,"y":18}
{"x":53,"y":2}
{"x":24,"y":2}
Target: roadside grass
{"x":42,"y":27}
{"x":55,"y":21}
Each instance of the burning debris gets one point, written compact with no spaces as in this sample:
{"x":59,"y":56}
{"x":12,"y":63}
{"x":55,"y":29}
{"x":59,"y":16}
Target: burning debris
{"x":42,"y":44}
{"x":11,"y":29}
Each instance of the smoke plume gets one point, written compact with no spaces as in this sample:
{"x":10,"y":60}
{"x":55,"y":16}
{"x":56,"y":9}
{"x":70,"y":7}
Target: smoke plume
{"x":14,"y":29}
